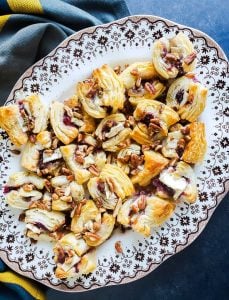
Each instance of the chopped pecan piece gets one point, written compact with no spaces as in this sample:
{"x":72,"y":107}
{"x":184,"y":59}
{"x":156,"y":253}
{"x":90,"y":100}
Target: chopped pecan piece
{"x":118,"y":247}
{"x":142,"y":202}
{"x":136,"y":160}
{"x":134,"y":72}
{"x":93,"y":169}
{"x":79,"y":159}
{"x":190,"y":58}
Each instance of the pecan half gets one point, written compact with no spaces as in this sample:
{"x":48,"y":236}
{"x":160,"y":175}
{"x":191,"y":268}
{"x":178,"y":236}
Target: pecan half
{"x":150,"y":88}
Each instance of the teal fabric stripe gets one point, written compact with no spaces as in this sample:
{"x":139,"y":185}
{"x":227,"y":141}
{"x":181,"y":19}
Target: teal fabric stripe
{"x":13,"y":292}
{"x":4,"y":7}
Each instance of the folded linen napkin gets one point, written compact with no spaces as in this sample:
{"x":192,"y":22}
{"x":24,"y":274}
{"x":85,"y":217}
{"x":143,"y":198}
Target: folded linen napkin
{"x":29,"y":30}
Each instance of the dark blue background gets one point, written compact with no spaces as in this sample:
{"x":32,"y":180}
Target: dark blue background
{"x":201,"y":270}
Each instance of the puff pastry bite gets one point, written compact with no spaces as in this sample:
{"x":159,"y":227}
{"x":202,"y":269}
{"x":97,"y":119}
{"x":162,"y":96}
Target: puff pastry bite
{"x":195,"y":149}
{"x":85,"y":216}
{"x":102,"y":92}
{"x":187,"y":96}
{"x":40,"y":221}
{"x":34,"y":113}
{"x":62,"y":121}
{"x":142,"y":212}
{"x":94,"y":226}
{"x":146,"y":90}
{"x":188,"y":143}
{"x":27,"y":116}
{"x":65,"y":193}
{"x":82,"y":161}
{"x":154,"y":118}
{"x":23,"y":189}
{"x":30,"y":156}
{"x":144,"y":70}
{"x":130,"y":158}
{"x":173,"y":145}
{"x":177,"y":182}
{"x":104,"y":229}
{"x":80,"y":118}
{"x":72,"y":257}
{"x":174,"y":56}
{"x":112,"y":132}
{"x":12,"y":122}
{"x":154,"y":163}
{"x":44,"y":236}
{"x":112,"y":184}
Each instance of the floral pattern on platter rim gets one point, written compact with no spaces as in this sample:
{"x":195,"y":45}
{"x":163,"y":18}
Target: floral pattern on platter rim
{"x":126,"y":40}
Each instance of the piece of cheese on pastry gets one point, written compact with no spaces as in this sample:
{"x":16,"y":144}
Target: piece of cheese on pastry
{"x":181,"y":181}
{"x":187,"y":96}
{"x":112,"y":132}
{"x":154,"y":163}
{"x":62,"y":124}
{"x":170,"y":145}
{"x":142,"y":213}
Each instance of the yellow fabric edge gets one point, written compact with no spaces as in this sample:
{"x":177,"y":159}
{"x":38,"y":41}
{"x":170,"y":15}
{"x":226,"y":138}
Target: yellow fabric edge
{"x":3,"y":20}
{"x":9,"y":277}
{"x":25,"y":6}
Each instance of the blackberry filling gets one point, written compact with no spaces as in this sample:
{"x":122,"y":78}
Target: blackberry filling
{"x":67,"y":120}
{"x":179,"y":96}
{"x":147,"y":118}
{"x":41,"y":226}
{"x":101,"y":187}
{"x":160,"y":186}
{"x":8,"y":189}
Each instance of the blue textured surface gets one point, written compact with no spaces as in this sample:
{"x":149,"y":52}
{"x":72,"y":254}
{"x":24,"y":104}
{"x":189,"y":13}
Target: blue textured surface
{"x":201,"y":270}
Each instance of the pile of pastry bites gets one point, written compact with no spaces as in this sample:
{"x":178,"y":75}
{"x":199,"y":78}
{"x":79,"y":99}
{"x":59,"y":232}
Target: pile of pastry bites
{"x":118,"y":152}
